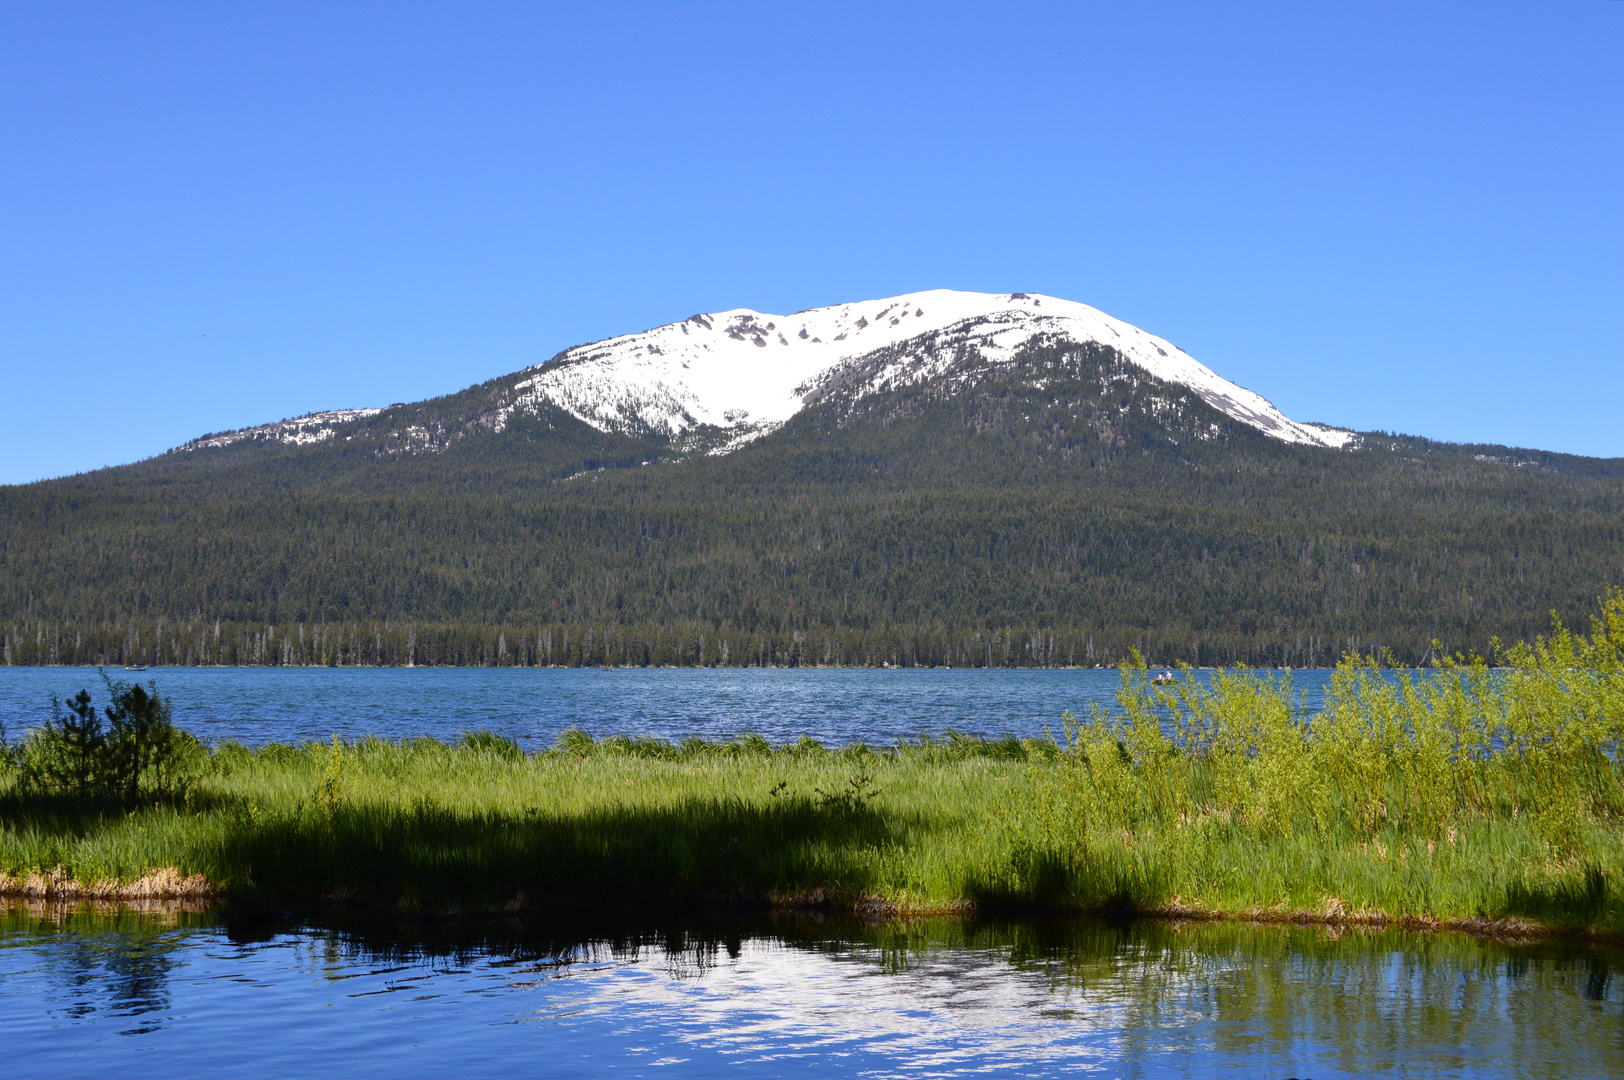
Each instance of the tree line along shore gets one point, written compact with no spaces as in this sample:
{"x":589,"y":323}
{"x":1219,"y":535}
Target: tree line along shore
{"x":199,"y":642}
{"x":1458,"y":795}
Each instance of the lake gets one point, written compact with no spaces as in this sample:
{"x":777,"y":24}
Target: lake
{"x":194,"y":995}
{"x":266,"y":704}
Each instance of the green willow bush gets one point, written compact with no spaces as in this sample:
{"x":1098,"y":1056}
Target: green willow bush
{"x":1417,"y":755}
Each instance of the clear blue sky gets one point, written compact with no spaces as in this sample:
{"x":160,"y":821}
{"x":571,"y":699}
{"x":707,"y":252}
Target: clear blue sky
{"x":1393,"y":216}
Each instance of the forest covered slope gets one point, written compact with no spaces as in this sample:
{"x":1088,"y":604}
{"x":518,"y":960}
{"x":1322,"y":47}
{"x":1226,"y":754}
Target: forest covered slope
{"x":929,"y":502}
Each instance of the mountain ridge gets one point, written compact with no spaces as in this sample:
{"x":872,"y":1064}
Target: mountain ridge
{"x":721,"y":380}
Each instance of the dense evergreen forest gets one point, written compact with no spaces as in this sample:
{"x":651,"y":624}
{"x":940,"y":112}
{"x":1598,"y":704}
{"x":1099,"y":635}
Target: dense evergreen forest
{"x":1055,"y":511}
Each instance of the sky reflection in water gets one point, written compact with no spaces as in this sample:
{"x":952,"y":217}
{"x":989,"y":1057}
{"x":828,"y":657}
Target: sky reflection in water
{"x":150,"y":994}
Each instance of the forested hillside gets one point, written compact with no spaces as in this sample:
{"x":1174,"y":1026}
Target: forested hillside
{"x":1057,"y":510}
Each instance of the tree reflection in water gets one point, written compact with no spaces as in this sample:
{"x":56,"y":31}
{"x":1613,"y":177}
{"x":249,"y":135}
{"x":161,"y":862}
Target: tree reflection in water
{"x":105,"y":959}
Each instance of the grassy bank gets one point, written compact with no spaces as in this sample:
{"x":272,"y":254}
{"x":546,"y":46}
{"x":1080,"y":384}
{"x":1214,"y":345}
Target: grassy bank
{"x":1459,"y":793}
{"x":615,"y":822}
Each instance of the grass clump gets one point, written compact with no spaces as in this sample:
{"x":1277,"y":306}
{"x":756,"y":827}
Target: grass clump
{"x":488,"y":742}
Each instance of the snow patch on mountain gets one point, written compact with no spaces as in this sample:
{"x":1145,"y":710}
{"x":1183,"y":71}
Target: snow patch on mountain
{"x":300,"y":431}
{"x":746,"y":372}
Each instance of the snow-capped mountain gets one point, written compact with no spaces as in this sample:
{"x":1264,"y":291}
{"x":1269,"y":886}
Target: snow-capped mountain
{"x":719,"y":381}
{"x":746,"y":372}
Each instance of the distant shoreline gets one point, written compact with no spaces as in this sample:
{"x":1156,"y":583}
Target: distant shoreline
{"x":644,"y":667}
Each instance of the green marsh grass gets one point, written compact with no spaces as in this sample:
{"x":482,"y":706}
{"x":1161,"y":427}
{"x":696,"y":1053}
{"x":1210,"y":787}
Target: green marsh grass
{"x":614,"y":822}
{"x":1458,"y":793}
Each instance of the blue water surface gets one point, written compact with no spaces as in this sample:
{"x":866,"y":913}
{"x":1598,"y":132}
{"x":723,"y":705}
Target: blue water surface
{"x":257,"y":705}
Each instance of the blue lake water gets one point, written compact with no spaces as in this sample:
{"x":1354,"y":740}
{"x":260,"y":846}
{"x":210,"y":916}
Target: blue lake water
{"x":259,"y":705}
{"x":131,"y":995}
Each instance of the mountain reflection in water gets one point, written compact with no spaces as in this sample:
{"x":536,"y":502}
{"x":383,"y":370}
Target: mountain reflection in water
{"x":174,"y":991}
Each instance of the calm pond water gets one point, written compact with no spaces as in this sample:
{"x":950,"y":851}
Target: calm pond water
{"x":140,"y":995}
{"x":260,"y":705}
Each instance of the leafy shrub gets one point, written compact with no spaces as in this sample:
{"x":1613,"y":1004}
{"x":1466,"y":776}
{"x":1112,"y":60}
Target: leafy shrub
{"x":1424,"y":752}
